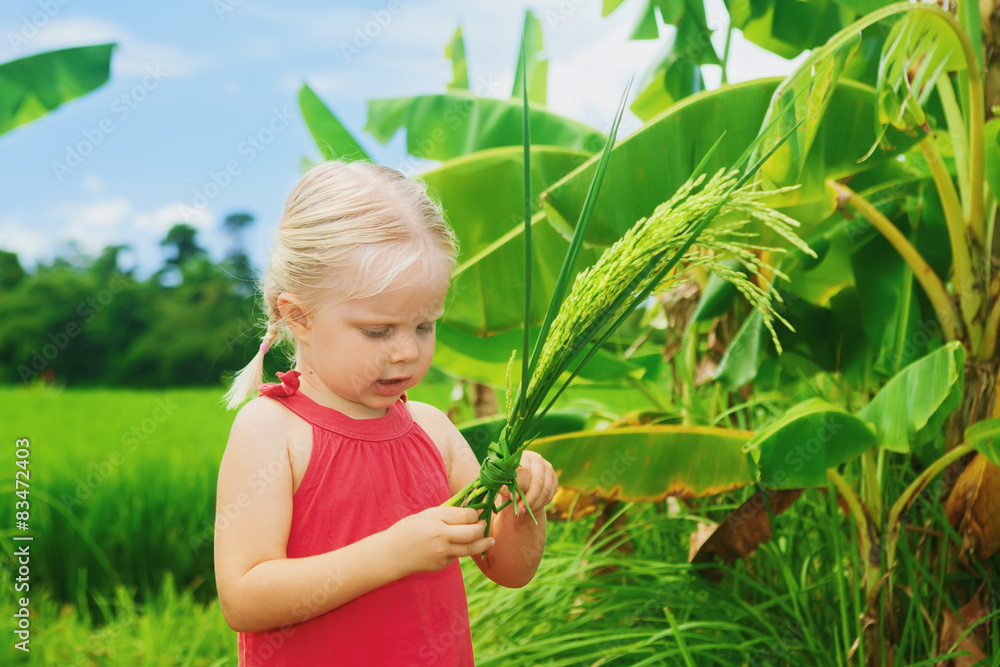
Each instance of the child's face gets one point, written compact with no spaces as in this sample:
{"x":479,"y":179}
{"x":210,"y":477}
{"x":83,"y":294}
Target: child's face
{"x":363,"y":353}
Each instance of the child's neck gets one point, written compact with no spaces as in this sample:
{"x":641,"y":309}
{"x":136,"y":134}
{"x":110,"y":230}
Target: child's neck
{"x":315,"y":390}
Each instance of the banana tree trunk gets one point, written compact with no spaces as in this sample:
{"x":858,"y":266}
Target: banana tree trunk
{"x":978,"y":399}
{"x":980,"y":391}
{"x":485,"y":404}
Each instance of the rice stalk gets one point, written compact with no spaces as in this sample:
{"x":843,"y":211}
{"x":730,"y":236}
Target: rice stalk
{"x":602,"y":297}
{"x":626,"y":273}
{"x":645,"y":249}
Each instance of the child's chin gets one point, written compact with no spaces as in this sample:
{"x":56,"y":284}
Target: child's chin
{"x":380,"y":402}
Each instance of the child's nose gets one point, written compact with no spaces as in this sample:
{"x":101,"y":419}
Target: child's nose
{"x":404,"y":349}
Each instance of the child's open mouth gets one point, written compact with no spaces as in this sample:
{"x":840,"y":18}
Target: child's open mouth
{"x":390,"y":387}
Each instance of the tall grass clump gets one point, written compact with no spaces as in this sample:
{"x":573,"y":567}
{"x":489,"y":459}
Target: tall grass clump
{"x":594,"y":602}
{"x":122,"y":487}
{"x":623,"y":592}
{"x":168,"y":628}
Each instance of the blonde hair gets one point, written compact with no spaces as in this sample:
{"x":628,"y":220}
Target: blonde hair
{"x":342,"y":221}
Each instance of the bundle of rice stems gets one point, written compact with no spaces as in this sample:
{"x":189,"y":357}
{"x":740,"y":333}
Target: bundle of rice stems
{"x":714,"y":211}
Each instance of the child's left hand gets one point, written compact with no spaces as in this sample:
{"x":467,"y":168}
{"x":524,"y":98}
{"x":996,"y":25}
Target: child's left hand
{"x":537,"y":480}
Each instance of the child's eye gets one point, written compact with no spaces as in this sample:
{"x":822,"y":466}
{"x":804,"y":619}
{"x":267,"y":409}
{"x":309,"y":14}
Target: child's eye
{"x":376,"y":333}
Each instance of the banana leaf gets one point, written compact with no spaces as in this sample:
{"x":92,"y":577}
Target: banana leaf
{"x":786,"y":27}
{"x":911,"y":408}
{"x":984,"y":437}
{"x":447,"y":126}
{"x":32,"y":87}
{"x":651,"y":462}
{"x":455,"y":52}
{"x":648,"y":166}
{"x":335,"y":142}
{"x":535,"y":66}
{"x":482,"y":195}
{"x":795,"y":450}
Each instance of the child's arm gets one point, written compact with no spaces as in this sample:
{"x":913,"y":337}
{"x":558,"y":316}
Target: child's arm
{"x":259,"y":587}
{"x":520,"y":542}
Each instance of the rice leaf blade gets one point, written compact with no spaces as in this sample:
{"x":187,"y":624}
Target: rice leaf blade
{"x":523,"y":404}
{"x":576,"y":243}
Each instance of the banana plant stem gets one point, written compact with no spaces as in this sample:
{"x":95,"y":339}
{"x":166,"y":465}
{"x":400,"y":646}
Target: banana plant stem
{"x":959,"y":140}
{"x":989,"y":346}
{"x":977,"y":116}
{"x":977,"y":121}
{"x":959,"y":233}
{"x":866,"y":532}
{"x":872,"y":487}
{"x":906,"y":498}
{"x":951,"y":321}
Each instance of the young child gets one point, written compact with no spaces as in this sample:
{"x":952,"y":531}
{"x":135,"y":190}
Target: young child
{"x":332,"y":548}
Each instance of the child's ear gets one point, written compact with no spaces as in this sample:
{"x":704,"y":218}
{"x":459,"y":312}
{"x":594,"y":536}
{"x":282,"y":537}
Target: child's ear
{"x":293,"y":313}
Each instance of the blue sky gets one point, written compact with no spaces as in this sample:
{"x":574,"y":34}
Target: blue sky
{"x":197,"y":85}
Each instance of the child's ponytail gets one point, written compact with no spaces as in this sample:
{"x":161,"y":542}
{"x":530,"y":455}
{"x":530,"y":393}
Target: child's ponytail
{"x":246,"y":381}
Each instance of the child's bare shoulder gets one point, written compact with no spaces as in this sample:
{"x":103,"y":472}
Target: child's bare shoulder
{"x":437,"y":425}
{"x":430,"y":418}
{"x":458,"y":456}
{"x":262,"y":424}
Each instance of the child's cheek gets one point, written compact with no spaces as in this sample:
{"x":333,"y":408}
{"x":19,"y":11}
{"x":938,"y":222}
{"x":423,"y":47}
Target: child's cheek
{"x":367,"y":368}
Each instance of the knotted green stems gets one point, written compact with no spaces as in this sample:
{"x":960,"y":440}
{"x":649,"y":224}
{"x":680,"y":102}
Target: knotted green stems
{"x":499,"y":469}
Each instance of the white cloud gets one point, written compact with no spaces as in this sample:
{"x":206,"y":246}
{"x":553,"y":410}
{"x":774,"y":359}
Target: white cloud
{"x":93,"y":225}
{"x":132,"y":56}
{"x":588,"y":77}
{"x":18,"y":236}
{"x":159,"y":221}
{"x":586,"y":52}
{"x":93,"y":184}
{"x":101,"y":214}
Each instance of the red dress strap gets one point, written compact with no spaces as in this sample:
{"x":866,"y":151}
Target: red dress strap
{"x":395,"y":423}
{"x":289,"y":385}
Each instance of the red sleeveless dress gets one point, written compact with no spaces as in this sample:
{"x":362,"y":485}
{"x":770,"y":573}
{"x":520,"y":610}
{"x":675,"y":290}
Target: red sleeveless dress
{"x":364,"y":475}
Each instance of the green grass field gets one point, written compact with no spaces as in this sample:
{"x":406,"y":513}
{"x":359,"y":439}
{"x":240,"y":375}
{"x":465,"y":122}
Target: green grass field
{"x":122,"y":485}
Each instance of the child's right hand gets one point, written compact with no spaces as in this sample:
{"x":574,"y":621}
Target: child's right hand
{"x":433,"y":538}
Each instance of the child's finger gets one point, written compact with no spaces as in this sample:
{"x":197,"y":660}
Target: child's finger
{"x":468,"y":533}
{"x":463,"y":515}
{"x":533,"y":489}
{"x":479,"y":547}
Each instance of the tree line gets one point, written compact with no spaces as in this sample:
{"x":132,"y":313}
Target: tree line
{"x":84,"y":321}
